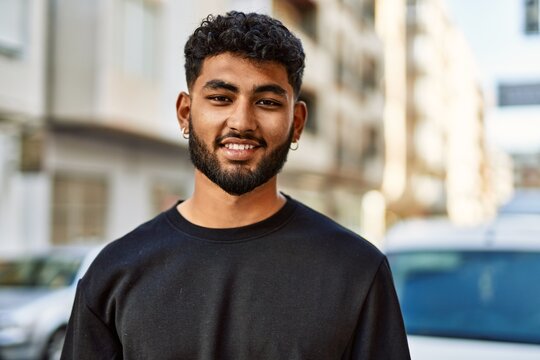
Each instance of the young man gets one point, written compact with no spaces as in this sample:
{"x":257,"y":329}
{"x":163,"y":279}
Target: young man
{"x":239,"y":270}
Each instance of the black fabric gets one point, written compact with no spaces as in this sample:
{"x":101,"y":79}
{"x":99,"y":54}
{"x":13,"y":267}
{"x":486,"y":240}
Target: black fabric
{"x":294,"y":286}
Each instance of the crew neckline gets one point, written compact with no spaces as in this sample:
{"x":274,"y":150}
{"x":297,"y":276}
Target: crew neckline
{"x":242,"y":233}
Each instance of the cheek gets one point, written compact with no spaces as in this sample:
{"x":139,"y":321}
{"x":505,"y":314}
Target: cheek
{"x":276,"y":123}
{"x":278,"y":129}
{"x":215,"y":119}
{"x":206,"y":122}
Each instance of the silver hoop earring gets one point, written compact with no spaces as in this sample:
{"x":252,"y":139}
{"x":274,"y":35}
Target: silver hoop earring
{"x":185,"y":134}
{"x":294,"y":145}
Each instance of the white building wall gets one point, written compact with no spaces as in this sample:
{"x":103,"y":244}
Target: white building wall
{"x":22,"y":76}
{"x":93,"y":83}
{"x":507,"y":55}
{"x":9,"y":189}
{"x":24,"y":199}
{"x":391,"y":27}
{"x":129,"y":172}
{"x":91,"y":87}
{"x":22,"y":102}
{"x":465,"y":179}
{"x":316,"y":151}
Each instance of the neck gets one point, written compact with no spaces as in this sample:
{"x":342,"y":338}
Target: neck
{"x":210,"y":206}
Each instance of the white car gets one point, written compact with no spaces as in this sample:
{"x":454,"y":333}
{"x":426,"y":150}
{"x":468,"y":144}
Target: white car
{"x":469,"y":293}
{"x":36,"y":297}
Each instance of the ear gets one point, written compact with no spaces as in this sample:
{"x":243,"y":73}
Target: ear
{"x":300,"y":118}
{"x":183,"y":109}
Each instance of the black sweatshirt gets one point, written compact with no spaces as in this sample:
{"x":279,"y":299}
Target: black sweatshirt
{"x":294,"y":286}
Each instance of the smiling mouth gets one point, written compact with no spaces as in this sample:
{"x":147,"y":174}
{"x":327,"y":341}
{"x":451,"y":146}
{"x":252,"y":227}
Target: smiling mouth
{"x":239,"y":150}
{"x":234,"y":141}
{"x":233,"y":146}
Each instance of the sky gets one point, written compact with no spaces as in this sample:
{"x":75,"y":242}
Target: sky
{"x":494,"y":31}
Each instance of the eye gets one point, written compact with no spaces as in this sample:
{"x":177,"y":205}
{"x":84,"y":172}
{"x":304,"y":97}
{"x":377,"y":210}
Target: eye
{"x":219,"y":99}
{"x":268,"y":103}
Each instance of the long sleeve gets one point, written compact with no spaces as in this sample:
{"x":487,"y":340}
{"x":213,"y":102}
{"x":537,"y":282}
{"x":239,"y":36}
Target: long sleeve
{"x":380,"y":333}
{"x":88,"y":337}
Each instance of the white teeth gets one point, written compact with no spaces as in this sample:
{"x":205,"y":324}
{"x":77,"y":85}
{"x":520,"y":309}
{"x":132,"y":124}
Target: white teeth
{"x":239,"y":146}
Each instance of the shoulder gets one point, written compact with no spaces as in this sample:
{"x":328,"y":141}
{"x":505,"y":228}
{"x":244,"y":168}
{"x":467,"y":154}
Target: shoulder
{"x":127,"y":248}
{"x":333,"y":251}
{"x":323,"y":232}
{"x":123,"y":259}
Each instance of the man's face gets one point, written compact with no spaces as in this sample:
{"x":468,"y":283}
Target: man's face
{"x":239,"y":179}
{"x":242,"y":120}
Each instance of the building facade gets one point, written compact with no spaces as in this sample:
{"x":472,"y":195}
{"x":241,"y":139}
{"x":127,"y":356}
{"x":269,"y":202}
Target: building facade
{"x":341,"y":158}
{"x":437,"y":161}
{"x":90,"y":146}
{"x":90,"y":143}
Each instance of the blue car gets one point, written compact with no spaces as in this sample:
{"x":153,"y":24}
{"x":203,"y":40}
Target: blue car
{"x":469,"y":293}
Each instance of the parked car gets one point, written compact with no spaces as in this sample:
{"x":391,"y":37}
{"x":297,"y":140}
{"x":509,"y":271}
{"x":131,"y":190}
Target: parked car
{"x":36,"y":297}
{"x":523,"y":202}
{"x":469,"y":293}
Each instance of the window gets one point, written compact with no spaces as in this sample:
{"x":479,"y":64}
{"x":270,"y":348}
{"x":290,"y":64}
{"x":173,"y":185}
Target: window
{"x":532,"y":15}
{"x":469,"y":294}
{"x":371,"y":143}
{"x":411,"y":11}
{"x":302,"y":13}
{"x":348,"y":70}
{"x":519,"y":94}
{"x":308,"y":19}
{"x":363,"y":11}
{"x":47,"y":271}
{"x":78,"y":209}
{"x":370,"y":74}
{"x":165,"y":195}
{"x":12,"y":26}
{"x":369,"y":11}
{"x":31,"y":151}
{"x":139,"y":37}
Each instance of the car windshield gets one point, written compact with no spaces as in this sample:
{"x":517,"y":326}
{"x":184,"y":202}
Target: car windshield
{"x":473,"y":295}
{"x":51,"y":271}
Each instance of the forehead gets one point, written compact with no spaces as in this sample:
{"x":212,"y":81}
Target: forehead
{"x":242,"y":72}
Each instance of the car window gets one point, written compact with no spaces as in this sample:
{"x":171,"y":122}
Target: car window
{"x":50,"y":272}
{"x":476,"y":295}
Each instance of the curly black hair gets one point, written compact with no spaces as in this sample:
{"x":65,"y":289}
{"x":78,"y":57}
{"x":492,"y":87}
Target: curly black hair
{"x":254,"y":36}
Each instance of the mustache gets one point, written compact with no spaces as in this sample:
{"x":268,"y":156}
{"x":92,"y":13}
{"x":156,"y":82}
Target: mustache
{"x":244,"y":136}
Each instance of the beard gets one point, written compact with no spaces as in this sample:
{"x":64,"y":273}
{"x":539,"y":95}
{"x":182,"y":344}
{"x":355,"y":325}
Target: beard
{"x":240,"y":179}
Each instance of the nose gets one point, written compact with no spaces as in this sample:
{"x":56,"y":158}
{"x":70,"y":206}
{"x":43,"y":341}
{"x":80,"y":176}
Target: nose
{"x":242,"y":117}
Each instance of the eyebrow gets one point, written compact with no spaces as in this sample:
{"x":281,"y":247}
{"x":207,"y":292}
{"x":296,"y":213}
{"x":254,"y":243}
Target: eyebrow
{"x":220,"y":84}
{"x":276,"y":89}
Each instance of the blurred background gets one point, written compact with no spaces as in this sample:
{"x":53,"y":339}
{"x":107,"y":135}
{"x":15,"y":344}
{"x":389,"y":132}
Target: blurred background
{"x":424,"y":118}
{"x":417,"y":108}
